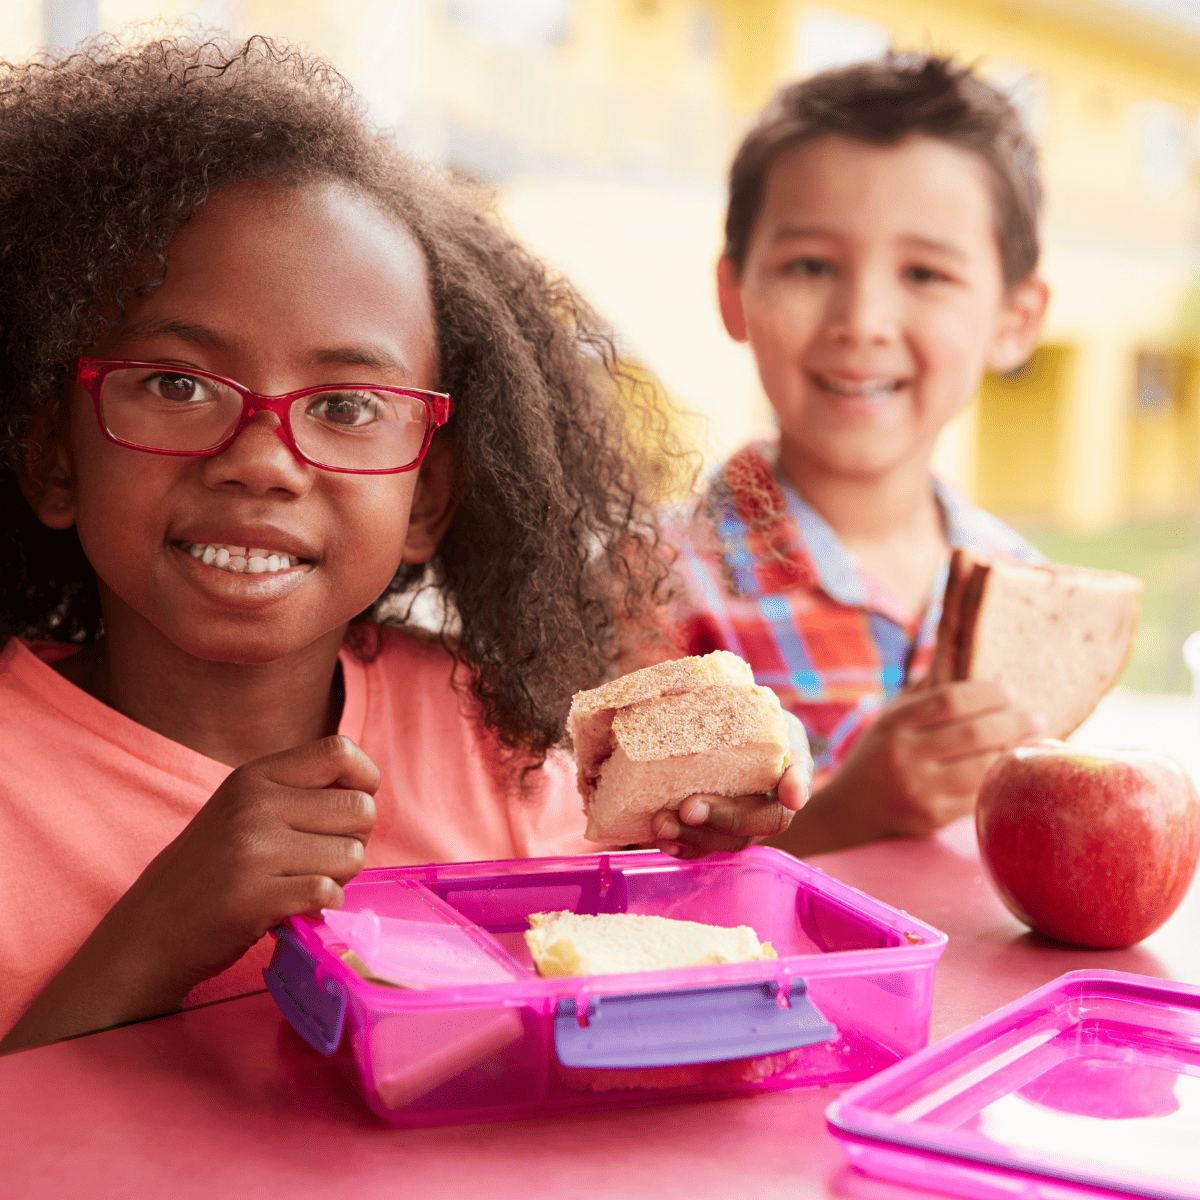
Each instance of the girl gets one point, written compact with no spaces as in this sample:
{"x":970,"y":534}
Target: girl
{"x":263,"y":380}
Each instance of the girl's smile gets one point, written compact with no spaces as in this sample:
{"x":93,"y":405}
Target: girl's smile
{"x":251,"y":554}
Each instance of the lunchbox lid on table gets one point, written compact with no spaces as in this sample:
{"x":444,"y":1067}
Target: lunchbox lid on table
{"x":1087,"y":1086}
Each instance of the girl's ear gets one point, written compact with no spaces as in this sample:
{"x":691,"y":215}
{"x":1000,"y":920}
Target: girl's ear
{"x":433,"y":503}
{"x":46,"y":476}
{"x":1021,"y":317}
{"x":729,"y":296}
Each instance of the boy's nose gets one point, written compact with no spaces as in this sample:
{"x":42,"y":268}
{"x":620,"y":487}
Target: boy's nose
{"x":259,"y":460}
{"x":863,"y":311}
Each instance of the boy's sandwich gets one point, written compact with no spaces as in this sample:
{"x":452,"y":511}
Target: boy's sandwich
{"x":647,"y":741}
{"x":566,"y":943}
{"x":1058,"y":636}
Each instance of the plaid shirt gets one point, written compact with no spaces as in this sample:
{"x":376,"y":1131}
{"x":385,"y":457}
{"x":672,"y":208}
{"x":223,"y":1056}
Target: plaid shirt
{"x":765,"y":576}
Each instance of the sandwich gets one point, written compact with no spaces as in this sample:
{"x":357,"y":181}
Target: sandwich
{"x":567,"y":943}
{"x":1057,"y":636}
{"x":645,"y":742}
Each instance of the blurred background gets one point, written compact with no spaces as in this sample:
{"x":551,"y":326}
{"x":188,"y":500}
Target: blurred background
{"x":605,"y":128}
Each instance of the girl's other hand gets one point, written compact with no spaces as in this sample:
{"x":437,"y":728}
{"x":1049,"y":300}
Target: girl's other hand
{"x":707,"y":824}
{"x":279,"y":837}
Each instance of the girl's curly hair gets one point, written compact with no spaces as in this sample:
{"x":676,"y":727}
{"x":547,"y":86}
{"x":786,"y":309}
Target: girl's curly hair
{"x":551,"y":553}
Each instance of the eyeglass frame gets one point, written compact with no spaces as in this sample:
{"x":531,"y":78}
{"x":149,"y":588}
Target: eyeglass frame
{"x":91,"y":373}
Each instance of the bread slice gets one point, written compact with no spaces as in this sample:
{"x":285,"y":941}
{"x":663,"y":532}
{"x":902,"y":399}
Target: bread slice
{"x":1058,"y":636}
{"x":566,"y":943}
{"x":645,"y":742}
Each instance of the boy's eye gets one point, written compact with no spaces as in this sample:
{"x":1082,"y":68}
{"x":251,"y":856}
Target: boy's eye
{"x":924,"y":275}
{"x":809,"y":268}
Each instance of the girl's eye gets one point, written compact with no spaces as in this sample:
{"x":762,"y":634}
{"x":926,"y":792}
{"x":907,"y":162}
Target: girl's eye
{"x":175,"y":387}
{"x":345,"y":408}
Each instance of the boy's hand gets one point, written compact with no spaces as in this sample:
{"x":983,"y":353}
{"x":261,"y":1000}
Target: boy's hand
{"x":919,"y":766}
{"x":708,"y":824}
{"x":280,"y":836}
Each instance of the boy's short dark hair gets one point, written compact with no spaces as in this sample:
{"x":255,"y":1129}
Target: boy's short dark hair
{"x":883,"y":103}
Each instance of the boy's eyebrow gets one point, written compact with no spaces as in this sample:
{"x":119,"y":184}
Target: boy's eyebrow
{"x":794,"y":232}
{"x":936,"y":244}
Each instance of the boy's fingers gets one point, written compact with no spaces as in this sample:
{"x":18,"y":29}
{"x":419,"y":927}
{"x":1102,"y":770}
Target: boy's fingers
{"x":332,"y":762}
{"x":994,"y":731}
{"x":950,"y":702}
{"x":743,"y":817}
{"x":962,"y":776}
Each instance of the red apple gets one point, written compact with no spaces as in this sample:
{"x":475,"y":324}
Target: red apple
{"x":1091,"y":847}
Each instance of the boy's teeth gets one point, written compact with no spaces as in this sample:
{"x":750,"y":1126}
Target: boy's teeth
{"x":863,"y":387}
{"x":241,"y":560}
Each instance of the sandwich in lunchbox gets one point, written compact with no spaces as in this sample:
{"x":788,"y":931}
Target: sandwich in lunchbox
{"x":645,"y":742}
{"x":1058,"y":636}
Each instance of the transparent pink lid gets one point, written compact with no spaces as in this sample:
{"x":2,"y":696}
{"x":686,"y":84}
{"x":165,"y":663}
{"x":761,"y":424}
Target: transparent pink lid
{"x":1090,"y":1084}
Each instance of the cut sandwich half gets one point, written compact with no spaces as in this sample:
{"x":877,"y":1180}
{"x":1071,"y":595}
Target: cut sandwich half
{"x":645,"y":742}
{"x":567,"y":943}
{"x":1058,"y":636}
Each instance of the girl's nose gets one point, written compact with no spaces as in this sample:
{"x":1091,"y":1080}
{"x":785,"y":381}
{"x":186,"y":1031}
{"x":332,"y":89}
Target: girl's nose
{"x":863,"y":311}
{"x":260,"y":461}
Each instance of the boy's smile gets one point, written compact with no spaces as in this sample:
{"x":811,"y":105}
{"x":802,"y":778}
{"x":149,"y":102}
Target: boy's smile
{"x":251,"y":554}
{"x":872,"y":296}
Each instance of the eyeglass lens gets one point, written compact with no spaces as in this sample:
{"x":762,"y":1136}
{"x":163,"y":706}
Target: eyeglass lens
{"x":352,"y":428}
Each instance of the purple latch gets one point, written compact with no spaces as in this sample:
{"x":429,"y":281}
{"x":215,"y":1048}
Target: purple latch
{"x":315,"y":1011}
{"x":696,"y":1025}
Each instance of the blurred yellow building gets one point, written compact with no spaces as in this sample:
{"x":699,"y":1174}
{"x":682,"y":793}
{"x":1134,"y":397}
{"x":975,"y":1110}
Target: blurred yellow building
{"x":606,"y":127}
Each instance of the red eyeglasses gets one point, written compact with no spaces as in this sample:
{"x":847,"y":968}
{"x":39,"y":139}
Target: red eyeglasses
{"x":359,"y":428}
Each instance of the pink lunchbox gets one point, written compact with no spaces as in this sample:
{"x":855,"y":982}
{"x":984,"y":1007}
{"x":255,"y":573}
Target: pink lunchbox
{"x":1087,"y":1088}
{"x":478,"y":1036}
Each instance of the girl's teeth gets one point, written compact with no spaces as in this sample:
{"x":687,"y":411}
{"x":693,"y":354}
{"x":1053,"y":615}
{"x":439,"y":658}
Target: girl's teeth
{"x":241,"y":559}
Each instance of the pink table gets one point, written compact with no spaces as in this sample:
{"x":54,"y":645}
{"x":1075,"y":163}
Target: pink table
{"x":226,"y":1101}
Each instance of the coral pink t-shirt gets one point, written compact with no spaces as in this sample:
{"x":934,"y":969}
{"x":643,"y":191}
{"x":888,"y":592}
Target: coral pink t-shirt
{"x":88,"y":797}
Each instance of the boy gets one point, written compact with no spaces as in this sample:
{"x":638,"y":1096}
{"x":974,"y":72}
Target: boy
{"x":881,"y":252}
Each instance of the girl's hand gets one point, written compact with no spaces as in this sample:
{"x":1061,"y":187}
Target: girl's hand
{"x":279,"y":837}
{"x":708,"y":824}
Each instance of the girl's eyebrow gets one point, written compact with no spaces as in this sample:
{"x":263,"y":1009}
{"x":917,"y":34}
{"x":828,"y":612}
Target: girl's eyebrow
{"x":200,"y":335}
{"x":359,"y":356}
{"x":186,"y":331}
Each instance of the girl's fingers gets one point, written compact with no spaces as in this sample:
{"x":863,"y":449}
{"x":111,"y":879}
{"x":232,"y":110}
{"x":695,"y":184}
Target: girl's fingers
{"x":743,"y":817}
{"x":331,"y":762}
{"x":291,"y":895}
{"x":696,"y":843}
{"x":330,"y":811}
{"x":305,"y":854}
